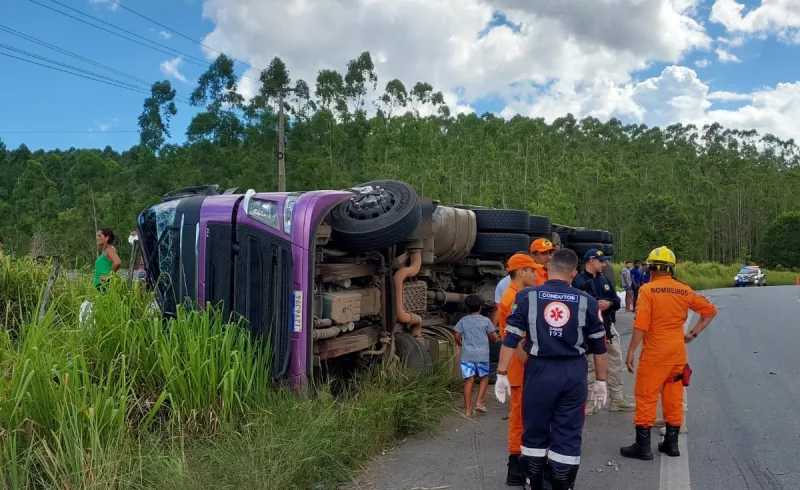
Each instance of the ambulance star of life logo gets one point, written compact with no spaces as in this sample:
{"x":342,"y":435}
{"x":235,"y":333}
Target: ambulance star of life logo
{"x":556,"y":314}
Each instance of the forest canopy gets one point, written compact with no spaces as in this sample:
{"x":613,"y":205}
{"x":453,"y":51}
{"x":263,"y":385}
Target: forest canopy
{"x":708,"y":192}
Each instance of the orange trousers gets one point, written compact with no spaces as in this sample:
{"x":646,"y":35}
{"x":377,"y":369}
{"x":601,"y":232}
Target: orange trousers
{"x":515,"y":427}
{"x":650,"y":381}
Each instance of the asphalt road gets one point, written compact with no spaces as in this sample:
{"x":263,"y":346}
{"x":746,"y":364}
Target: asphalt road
{"x":743,"y":417}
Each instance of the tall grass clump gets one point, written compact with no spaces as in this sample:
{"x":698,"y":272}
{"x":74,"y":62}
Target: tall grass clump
{"x":22,"y":282}
{"x":122,"y":399}
{"x":195,"y":366}
{"x":75,"y":394}
{"x":322,"y":441}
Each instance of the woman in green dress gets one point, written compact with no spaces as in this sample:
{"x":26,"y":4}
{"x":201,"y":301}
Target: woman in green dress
{"x":108,"y":261}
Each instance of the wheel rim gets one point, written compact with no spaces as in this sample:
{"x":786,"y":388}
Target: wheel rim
{"x":370,"y":202}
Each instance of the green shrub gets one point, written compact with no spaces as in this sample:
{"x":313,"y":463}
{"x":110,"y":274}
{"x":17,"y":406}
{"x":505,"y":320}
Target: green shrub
{"x":780,"y":243}
{"x":123,"y":400}
{"x":22,"y":283}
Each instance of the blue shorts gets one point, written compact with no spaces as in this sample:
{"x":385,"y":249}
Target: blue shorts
{"x":469,"y":369}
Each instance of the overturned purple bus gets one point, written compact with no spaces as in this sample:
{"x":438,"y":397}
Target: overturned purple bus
{"x":371,"y":273}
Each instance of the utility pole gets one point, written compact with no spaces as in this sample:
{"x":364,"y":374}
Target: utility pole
{"x":281,"y":148}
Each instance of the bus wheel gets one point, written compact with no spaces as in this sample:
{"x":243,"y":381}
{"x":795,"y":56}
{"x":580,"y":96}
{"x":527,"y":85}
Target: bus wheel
{"x":412,"y":353}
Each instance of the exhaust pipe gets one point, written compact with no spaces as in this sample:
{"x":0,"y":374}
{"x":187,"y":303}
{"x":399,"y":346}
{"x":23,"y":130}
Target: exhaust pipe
{"x":411,"y":319}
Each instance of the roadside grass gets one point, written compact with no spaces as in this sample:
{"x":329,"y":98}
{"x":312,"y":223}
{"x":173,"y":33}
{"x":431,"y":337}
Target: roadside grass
{"x":709,"y":275}
{"x":321,"y":442}
{"x":712,"y":275}
{"x":124,"y":401}
{"x":21,"y":283}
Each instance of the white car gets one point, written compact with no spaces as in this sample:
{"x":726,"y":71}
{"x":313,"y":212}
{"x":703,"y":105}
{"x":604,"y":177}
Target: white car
{"x":750,"y":275}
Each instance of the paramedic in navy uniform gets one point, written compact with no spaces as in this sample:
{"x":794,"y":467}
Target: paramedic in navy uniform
{"x":559,"y":325}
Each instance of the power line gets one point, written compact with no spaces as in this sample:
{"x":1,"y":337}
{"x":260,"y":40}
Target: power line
{"x":77,"y":56}
{"x":115,"y":2}
{"x":72,"y":73}
{"x":71,"y":132}
{"x":71,"y":67}
{"x":152,"y":44}
{"x":183,"y":56}
{"x":69,"y":53}
{"x":85,"y":74}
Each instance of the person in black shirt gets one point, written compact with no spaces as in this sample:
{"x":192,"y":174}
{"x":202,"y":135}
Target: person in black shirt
{"x":596,"y":284}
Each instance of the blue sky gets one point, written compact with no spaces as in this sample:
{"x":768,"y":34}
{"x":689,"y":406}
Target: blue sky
{"x":36,"y":99}
{"x":764,"y":62}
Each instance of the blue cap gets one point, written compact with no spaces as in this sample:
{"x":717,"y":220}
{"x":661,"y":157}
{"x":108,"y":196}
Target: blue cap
{"x":595,"y":254}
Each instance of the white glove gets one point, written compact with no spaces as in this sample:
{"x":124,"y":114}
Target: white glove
{"x":599,"y":394}
{"x":502,"y":388}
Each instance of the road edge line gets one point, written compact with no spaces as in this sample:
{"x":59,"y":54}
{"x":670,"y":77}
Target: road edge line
{"x":674,"y":473}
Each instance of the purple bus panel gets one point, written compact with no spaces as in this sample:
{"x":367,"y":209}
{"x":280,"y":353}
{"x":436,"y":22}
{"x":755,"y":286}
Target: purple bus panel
{"x":309,"y":210}
{"x":216,"y":209}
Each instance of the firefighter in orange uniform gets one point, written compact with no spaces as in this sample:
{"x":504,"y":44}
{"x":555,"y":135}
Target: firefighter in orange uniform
{"x":542,"y":251}
{"x":661,"y":312}
{"x":523,"y":273}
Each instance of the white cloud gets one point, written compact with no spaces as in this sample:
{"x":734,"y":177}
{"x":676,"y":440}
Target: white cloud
{"x":789,"y":36}
{"x":734,"y":42}
{"x":676,"y":95}
{"x":778,"y":17}
{"x":107,"y":125}
{"x":559,"y":41}
{"x":773,"y":110}
{"x":600,"y":99}
{"x":560,"y":56}
{"x":657,"y":29}
{"x":172,"y":68}
{"x":726,"y":57}
{"x":728,"y":96}
{"x":165,"y":34}
{"x":112,"y":4}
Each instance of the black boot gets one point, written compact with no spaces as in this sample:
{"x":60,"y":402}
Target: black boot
{"x":670,"y":444}
{"x":547,"y":476}
{"x":515,"y":477}
{"x":533,"y":470}
{"x":564,"y":476}
{"x":641,"y":448}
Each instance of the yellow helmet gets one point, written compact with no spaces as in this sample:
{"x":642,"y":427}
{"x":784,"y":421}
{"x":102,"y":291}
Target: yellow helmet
{"x":662,"y":256}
